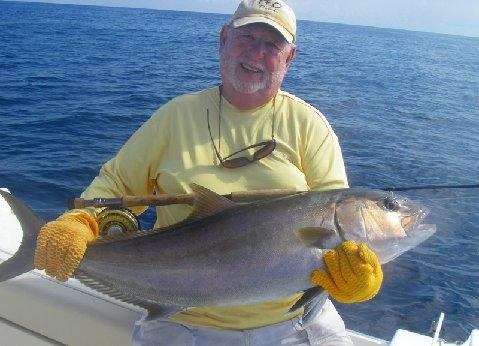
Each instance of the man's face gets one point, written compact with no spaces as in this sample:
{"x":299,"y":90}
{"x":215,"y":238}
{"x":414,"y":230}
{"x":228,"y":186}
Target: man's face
{"x":254,"y":58}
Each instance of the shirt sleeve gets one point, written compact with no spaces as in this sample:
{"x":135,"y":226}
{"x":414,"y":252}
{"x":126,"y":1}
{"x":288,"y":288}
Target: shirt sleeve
{"x":323,"y":162}
{"x":133,"y":170}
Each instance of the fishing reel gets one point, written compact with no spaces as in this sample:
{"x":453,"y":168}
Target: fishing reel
{"x":113,"y":221}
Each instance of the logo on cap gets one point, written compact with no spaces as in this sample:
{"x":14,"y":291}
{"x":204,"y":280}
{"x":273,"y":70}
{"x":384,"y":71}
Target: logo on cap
{"x":269,"y":5}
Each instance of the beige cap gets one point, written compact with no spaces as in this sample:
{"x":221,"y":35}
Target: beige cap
{"x":272,"y":12}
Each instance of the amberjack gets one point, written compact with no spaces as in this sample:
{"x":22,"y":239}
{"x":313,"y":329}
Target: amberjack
{"x":227,"y":254}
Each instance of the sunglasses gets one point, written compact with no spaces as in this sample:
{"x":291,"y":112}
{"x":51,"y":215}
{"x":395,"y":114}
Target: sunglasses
{"x":267,"y":147}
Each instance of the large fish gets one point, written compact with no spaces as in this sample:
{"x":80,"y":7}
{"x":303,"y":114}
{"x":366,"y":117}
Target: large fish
{"x":225,"y":253}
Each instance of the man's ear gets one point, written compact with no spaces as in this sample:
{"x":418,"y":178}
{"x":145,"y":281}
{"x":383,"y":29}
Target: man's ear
{"x":291,"y":55}
{"x":223,"y":35}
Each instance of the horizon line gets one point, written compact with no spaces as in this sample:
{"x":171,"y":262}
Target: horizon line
{"x":220,"y":13}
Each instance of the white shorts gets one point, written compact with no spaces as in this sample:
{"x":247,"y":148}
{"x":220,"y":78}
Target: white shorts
{"x":327,"y":329}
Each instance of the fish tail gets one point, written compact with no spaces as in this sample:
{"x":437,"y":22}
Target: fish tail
{"x":22,"y":261}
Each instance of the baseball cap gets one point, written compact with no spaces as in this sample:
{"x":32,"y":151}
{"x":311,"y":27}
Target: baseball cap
{"x":272,"y":12}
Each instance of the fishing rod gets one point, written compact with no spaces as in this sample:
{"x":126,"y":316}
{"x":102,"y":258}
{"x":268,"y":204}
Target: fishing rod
{"x":116,"y":218}
{"x":167,"y":199}
{"x":240,"y":197}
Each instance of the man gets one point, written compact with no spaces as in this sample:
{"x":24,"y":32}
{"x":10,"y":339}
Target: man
{"x":245,"y":134}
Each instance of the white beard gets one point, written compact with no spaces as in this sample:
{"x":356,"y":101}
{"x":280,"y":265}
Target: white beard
{"x":246,"y":87}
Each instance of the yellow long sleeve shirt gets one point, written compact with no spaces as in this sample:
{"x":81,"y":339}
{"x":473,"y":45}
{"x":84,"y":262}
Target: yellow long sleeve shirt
{"x":173,"y":149}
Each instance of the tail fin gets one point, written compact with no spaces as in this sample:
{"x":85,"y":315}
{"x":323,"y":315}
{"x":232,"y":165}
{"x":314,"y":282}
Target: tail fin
{"x":22,"y":261}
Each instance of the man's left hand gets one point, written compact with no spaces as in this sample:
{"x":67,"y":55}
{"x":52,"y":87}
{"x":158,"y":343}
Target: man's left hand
{"x":353,"y":273}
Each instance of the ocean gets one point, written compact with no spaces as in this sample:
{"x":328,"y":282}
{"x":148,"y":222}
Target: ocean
{"x":77,"y":81}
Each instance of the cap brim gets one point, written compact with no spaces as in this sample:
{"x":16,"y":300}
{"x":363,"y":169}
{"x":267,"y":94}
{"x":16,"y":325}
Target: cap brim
{"x":257,"y":19}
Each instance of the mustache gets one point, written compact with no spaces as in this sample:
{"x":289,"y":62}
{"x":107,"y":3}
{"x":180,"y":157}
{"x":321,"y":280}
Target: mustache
{"x":254,"y":64}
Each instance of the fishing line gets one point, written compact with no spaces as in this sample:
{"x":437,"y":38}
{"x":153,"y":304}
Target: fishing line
{"x":436,"y":187}
{"x":430,"y":187}
{"x":453,"y":198}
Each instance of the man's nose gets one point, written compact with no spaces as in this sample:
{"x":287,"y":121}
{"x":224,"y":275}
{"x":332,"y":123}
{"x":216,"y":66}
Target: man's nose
{"x":257,"y":49}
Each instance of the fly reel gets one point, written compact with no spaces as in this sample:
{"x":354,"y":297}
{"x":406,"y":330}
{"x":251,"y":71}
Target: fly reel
{"x":112,"y":221}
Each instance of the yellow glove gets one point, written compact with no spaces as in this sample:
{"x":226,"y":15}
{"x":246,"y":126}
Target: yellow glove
{"x":61,"y":244}
{"x":354,"y":273}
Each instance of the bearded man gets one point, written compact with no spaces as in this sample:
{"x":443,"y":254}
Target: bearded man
{"x":244,"y":134}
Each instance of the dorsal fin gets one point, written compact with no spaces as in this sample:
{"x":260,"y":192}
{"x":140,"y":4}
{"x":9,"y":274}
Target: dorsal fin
{"x":206,"y":203}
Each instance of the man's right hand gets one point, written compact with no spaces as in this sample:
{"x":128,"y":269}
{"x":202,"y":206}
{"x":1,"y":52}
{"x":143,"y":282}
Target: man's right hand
{"x":61,"y":244}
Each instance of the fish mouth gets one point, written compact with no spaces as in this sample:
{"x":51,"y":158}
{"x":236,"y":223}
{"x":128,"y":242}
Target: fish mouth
{"x":412,"y":222}
{"x":389,"y":224}
{"x":415,"y":233}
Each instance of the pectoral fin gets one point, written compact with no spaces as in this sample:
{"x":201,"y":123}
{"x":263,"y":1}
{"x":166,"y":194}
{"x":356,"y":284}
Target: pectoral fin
{"x":315,"y":236}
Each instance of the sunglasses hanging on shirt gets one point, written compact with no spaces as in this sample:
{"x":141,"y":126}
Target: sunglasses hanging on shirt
{"x":266,"y":147}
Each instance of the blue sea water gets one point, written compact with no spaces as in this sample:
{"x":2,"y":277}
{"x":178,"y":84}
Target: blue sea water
{"x":76,"y":81}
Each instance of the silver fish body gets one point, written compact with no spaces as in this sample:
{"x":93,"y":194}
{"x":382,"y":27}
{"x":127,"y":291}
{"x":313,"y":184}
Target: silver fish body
{"x":240,"y":254}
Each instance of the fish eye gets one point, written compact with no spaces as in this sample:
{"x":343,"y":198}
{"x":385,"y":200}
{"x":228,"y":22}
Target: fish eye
{"x":390,"y":204}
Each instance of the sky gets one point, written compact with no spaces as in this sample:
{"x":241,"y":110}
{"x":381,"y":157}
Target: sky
{"x":457,"y":17}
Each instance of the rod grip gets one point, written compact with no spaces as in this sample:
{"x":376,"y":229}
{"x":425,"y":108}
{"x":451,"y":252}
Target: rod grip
{"x":80,"y":203}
